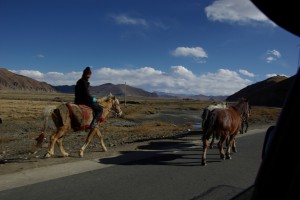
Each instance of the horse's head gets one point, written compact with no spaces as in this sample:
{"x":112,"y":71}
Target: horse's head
{"x":243,"y":107}
{"x":116,"y":106}
{"x":111,"y":103}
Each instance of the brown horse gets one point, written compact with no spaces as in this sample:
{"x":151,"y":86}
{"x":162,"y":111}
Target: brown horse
{"x":205,"y":115}
{"x":69,"y":116}
{"x":245,"y":119}
{"x":225,"y":123}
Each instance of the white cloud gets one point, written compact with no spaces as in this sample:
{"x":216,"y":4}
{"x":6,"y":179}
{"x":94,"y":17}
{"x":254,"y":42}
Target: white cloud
{"x":30,"y":73}
{"x":196,"y":52}
{"x":272,"y":55}
{"x":246,"y":73}
{"x":236,"y":11}
{"x":179,"y":80}
{"x":126,"y":20}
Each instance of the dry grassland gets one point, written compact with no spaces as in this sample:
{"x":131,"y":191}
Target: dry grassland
{"x":144,"y":119}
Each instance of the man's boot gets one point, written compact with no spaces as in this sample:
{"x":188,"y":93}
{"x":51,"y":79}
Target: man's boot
{"x":96,"y":118}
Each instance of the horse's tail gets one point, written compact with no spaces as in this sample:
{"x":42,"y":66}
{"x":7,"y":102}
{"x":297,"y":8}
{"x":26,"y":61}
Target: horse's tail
{"x":48,"y":111}
{"x":209,"y":123}
{"x":204,"y":119}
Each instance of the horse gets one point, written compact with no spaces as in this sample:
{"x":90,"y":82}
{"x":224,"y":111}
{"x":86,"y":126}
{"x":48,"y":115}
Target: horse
{"x":226,"y":124}
{"x":245,"y":123}
{"x":70,"y":116}
{"x":205,"y":115}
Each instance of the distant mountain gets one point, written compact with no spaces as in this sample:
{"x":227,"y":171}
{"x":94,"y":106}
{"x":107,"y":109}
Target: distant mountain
{"x":120,"y":90}
{"x":189,"y":96}
{"x":208,"y":98}
{"x":65,"y":88}
{"x":15,"y":82}
{"x":105,"y":89}
{"x":270,"y":92}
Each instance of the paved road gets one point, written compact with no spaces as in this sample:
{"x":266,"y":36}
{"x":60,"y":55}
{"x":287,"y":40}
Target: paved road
{"x":164,"y":169}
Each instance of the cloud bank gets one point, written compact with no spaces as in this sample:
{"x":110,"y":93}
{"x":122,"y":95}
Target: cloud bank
{"x":178,"y":80}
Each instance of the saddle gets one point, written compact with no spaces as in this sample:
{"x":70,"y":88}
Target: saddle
{"x":81,"y":116}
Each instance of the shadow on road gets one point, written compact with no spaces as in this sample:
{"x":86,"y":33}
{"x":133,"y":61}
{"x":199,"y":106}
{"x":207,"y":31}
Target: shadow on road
{"x":183,"y":151}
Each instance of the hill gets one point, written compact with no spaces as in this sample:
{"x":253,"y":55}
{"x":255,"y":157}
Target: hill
{"x":15,"y":82}
{"x":105,"y":89}
{"x":10,"y":81}
{"x":270,"y":92}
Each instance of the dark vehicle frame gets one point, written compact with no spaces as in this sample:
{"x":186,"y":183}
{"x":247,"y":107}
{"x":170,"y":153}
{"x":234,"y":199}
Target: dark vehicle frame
{"x":279,"y":173}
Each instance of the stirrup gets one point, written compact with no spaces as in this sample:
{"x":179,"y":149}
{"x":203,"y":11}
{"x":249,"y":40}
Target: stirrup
{"x":94,"y":125}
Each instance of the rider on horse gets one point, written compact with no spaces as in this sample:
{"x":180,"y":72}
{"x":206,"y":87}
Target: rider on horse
{"x":83,"y":96}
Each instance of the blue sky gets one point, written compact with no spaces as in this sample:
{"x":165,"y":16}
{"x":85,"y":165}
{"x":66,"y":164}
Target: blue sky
{"x":210,"y":47}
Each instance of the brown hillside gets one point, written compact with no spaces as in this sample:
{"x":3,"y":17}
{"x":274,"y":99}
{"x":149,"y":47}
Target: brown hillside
{"x":13,"y":82}
{"x":270,"y":92}
{"x":120,"y":90}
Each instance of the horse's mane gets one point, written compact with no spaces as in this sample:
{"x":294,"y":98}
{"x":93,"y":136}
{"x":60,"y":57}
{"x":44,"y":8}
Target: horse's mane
{"x":105,"y":98}
{"x":241,"y":107}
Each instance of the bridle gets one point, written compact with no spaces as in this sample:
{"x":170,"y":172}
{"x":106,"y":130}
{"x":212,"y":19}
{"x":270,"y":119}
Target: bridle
{"x":115,"y":109}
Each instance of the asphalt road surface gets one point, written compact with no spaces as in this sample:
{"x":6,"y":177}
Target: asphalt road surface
{"x":160,"y":169}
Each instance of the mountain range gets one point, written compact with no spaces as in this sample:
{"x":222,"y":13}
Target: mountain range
{"x":269,"y":92}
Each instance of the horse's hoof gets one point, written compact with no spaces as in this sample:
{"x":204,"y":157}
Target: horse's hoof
{"x":80,"y":154}
{"x":203,"y":163}
{"x":47,"y":155}
{"x":228,"y":157}
{"x":222,"y":156}
{"x":65,"y":155}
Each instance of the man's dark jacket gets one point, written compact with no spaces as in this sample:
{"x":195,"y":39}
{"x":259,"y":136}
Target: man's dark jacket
{"x":82,"y":92}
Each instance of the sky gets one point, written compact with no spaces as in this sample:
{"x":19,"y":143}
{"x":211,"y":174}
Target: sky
{"x":208,"y":47}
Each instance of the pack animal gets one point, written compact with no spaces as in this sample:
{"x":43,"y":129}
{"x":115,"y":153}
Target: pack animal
{"x":205,"y":114}
{"x":226,"y":124}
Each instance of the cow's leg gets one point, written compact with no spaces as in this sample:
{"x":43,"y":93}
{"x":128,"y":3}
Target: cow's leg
{"x":87,"y":141}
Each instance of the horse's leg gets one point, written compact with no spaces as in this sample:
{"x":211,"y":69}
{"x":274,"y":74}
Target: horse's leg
{"x":61,"y":148}
{"x":234,"y":145}
{"x":231,"y":140}
{"x":87,"y":141}
{"x":205,"y":145}
{"x":220,"y":145}
{"x":212,"y":141}
{"x":54,"y":137}
{"x":246,"y":122}
{"x":51,"y":146}
{"x":101,"y":140}
{"x":242,"y":127}
{"x":205,"y":140}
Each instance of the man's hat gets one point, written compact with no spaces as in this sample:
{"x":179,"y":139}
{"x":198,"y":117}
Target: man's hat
{"x":87,"y":71}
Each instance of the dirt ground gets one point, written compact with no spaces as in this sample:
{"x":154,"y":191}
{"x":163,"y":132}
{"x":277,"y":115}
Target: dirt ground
{"x":18,"y":138}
